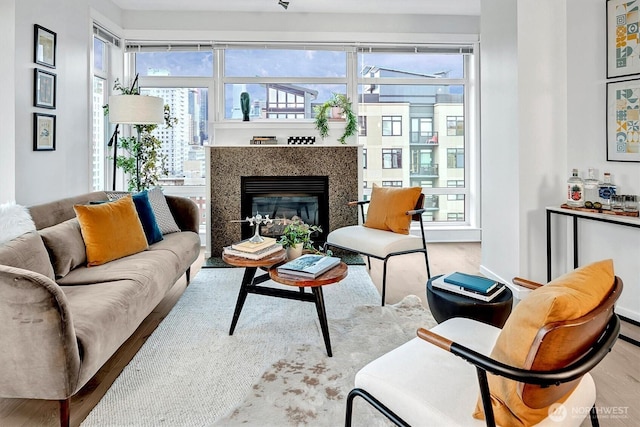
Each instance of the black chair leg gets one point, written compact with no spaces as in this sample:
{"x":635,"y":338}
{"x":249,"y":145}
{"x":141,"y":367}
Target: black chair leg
{"x":391,"y":416}
{"x":426,"y":261}
{"x":188,"y":274}
{"x":593,"y":414}
{"x":384,"y":281}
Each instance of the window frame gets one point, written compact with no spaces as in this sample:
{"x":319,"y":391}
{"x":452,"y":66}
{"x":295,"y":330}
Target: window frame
{"x":394,"y":153}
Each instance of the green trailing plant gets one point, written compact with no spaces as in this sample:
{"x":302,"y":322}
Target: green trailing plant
{"x":298,"y":232}
{"x":142,"y":161}
{"x":323,"y":111}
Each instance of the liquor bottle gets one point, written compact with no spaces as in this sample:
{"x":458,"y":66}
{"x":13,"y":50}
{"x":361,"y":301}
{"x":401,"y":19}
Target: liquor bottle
{"x":591,"y":190}
{"x":575,"y":190}
{"x":606,"y":190}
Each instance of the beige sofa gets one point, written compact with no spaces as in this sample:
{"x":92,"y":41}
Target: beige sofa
{"x":58,"y":331}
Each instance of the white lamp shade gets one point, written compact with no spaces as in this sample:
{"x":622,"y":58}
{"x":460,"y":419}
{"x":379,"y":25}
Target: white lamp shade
{"x":136,"y":109}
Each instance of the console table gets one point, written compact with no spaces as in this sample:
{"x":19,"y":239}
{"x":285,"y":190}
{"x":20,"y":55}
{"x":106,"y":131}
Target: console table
{"x":626,"y":221}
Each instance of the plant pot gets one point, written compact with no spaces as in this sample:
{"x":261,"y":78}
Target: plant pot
{"x":337,"y":113}
{"x":294,"y":252}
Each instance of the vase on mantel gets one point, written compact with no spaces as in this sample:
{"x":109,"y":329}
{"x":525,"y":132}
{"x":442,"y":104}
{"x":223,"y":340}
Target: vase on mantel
{"x":295,"y":251}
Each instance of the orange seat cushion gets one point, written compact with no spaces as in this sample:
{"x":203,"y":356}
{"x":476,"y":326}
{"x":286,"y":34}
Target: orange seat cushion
{"x":566,"y":298}
{"x":110,"y":230}
{"x":388,"y":208}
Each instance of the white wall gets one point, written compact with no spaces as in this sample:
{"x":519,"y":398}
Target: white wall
{"x":7,"y":107}
{"x":552,"y":119}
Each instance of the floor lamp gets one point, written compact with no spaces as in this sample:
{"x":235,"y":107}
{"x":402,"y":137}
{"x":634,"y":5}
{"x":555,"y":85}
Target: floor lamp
{"x":133,"y":110}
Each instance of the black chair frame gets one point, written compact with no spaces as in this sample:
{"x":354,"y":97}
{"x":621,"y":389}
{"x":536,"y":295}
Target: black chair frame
{"x":486,"y":364}
{"x":416,"y":215}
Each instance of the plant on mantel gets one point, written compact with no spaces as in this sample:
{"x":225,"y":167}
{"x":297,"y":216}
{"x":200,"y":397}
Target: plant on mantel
{"x":323,"y":111}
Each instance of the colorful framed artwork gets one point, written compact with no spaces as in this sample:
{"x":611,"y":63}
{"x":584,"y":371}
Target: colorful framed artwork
{"x":44,"y":132}
{"x":44,"y":50}
{"x":623,"y":121}
{"x":44,"y":91}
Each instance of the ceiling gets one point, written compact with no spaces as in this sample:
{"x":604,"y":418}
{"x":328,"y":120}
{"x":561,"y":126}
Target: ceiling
{"x":423,"y":7}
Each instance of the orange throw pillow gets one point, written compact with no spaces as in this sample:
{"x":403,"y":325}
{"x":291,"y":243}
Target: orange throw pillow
{"x":388,"y":208}
{"x":566,"y":298}
{"x":111,"y":230}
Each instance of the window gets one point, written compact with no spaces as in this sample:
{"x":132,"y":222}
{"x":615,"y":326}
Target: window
{"x":455,"y":216}
{"x":392,"y":183}
{"x":362,"y":125}
{"x":455,"y":125}
{"x":391,"y":126}
{"x":455,"y":158}
{"x":422,"y":131}
{"x":364,"y":158}
{"x":455,"y":183}
{"x":391,"y":158}
{"x":365,"y":184}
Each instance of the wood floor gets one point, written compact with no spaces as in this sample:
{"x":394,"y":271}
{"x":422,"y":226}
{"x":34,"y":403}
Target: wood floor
{"x":617,"y":377}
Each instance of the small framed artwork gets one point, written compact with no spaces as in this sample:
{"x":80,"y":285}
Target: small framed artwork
{"x":44,"y":50}
{"x":44,"y":132}
{"x":623,"y":121}
{"x":44,"y":94}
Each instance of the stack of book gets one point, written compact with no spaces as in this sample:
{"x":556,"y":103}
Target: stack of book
{"x":309,"y":266}
{"x":469,"y":285}
{"x":262,"y":140}
{"x":255,"y":251}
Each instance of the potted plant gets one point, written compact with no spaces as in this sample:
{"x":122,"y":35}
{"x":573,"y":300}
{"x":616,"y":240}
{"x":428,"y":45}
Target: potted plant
{"x":296,"y":236}
{"x":324,"y":111}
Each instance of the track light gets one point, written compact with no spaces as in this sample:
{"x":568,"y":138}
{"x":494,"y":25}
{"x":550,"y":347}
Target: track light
{"x":284,"y":4}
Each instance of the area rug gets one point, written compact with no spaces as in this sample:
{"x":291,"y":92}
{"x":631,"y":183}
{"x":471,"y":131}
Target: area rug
{"x":273,"y":371}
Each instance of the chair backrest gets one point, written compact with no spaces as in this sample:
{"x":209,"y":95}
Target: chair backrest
{"x":419,"y":205}
{"x":559,"y":344}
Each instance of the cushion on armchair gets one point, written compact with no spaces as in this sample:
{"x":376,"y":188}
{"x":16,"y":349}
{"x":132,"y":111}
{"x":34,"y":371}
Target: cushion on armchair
{"x":388,"y":208}
{"x":27,"y":251}
{"x":568,"y":297}
{"x":65,"y":245}
{"x":111,"y":230}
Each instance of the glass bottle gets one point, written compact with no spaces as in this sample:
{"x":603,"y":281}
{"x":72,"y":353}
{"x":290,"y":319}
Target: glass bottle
{"x":606,"y":190}
{"x":591,"y":190}
{"x":575,"y":190}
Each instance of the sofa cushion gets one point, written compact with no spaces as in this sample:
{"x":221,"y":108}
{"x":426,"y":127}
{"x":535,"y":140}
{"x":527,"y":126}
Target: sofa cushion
{"x":388,"y":208}
{"x":111,"y":230}
{"x":65,"y":245}
{"x":164,"y":217}
{"x":27,"y":252}
{"x":15,"y":220}
{"x":566,"y":298}
{"x":147,"y":217}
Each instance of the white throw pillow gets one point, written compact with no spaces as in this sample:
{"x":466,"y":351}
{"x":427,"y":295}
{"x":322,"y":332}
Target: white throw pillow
{"x":164,"y":217}
{"x":15,"y":220}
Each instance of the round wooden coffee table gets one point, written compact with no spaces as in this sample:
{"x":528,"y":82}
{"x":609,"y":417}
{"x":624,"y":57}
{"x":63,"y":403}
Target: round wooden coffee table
{"x":334,"y":275}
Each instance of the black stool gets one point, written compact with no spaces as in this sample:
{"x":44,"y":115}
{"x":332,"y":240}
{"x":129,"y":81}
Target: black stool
{"x":445,"y":305}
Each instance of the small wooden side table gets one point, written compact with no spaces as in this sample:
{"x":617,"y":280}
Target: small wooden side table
{"x":250,"y":285}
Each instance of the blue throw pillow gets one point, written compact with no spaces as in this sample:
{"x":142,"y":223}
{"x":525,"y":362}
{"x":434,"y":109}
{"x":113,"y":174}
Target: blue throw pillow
{"x":147,"y":217}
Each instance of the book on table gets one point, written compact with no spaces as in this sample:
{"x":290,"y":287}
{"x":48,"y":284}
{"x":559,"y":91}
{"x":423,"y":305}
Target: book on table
{"x":471,"y":282}
{"x":248,"y":246}
{"x":309,"y":265}
{"x":262,"y":253}
{"x":441,"y":284}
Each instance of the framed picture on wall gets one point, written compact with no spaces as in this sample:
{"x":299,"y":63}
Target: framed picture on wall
{"x":44,"y":50}
{"x":44,"y":91}
{"x":623,"y":121}
{"x":44,"y":132}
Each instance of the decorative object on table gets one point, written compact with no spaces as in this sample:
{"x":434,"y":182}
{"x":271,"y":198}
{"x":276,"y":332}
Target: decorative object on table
{"x":296,"y":237}
{"x":469,"y":285}
{"x":245,"y":105}
{"x":259,"y":220}
{"x":591,"y":197}
{"x":575,"y":190}
{"x":44,"y":49}
{"x":44,"y":132}
{"x":623,"y":45}
{"x":309,"y":265}
{"x":630,"y":203}
{"x":248,"y":245}
{"x":623,"y":116}
{"x":263,"y":140}
{"x":323,"y":111}
{"x":605,"y":190}
{"x":617,"y":207}
{"x":284,"y":4}
{"x":44,"y":90}
{"x":298,"y":140}
{"x":264,"y":252}
{"x":142,"y":158}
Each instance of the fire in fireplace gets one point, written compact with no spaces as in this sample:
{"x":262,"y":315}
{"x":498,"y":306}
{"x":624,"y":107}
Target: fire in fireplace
{"x":285,"y":199}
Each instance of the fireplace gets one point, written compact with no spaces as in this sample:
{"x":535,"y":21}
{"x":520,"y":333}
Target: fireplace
{"x":284,"y":199}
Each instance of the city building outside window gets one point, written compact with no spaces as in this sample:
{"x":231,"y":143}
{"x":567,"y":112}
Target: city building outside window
{"x":364,"y":158}
{"x":392,"y":183}
{"x":455,"y":158}
{"x":392,"y":158}
{"x":455,"y":125}
{"x":391,"y":125}
{"x":362,"y":125}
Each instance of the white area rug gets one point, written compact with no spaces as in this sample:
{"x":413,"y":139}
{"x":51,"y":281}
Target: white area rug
{"x":273,"y":371}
